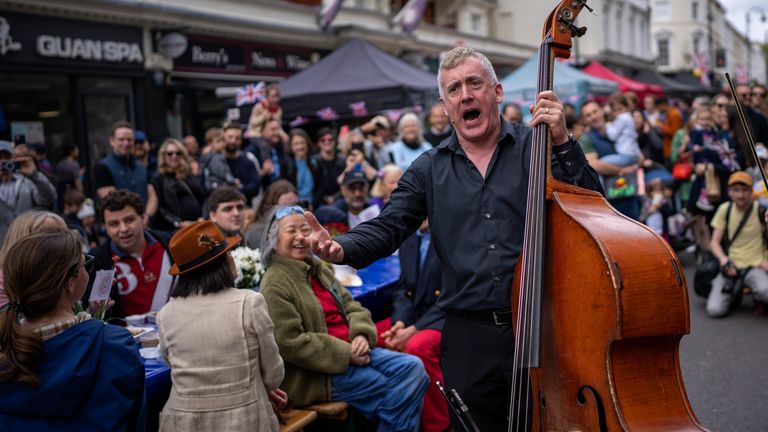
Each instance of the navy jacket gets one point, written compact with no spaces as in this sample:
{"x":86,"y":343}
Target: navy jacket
{"x":91,"y":378}
{"x":414,"y":302}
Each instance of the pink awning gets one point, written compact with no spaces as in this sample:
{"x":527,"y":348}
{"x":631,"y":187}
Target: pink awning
{"x":599,"y":70}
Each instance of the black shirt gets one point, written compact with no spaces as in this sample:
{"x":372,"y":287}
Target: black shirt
{"x":326,"y":174}
{"x":476,"y":223}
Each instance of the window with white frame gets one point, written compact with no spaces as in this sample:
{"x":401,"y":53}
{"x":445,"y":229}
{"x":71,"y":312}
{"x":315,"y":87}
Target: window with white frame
{"x":476,"y":22}
{"x":661,"y":10}
{"x":662,"y":50}
{"x":696,"y":43}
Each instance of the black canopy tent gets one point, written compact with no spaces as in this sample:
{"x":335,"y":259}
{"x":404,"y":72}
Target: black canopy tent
{"x":670,"y":86}
{"x":686,"y":77}
{"x":356,"y":80}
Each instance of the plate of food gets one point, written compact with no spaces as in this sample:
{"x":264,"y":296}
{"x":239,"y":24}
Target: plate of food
{"x":347,"y":276}
{"x":137,"y":332}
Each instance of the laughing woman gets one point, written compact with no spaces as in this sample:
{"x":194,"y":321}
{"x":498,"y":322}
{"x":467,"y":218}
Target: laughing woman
{"x":326,"y":337}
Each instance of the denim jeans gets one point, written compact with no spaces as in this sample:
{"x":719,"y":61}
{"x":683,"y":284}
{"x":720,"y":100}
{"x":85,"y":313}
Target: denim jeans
{"x":390,"y":387}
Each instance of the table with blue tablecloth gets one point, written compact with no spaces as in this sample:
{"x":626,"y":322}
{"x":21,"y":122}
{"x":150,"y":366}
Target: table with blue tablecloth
{"x":379,"y":281}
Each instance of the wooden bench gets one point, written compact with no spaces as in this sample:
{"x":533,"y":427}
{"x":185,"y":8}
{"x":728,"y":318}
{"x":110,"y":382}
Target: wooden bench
{"x":331,"y":410}
{"x":296,"y":420}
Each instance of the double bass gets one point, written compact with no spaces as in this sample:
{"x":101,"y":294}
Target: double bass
{"x":600,"y":300}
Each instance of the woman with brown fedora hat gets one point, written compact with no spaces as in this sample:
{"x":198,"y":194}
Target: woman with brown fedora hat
{"x":218,"y":340}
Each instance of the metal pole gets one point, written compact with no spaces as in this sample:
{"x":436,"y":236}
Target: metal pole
{"x":710,"y":44}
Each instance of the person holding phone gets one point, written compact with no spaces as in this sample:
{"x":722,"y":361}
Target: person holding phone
{"x":22,"y":186}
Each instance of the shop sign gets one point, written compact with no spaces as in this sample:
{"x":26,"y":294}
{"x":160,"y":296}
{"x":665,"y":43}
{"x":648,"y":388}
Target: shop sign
{"x":172,"y":45}
{"x":47,"y":40}
{"x":213,"y":55}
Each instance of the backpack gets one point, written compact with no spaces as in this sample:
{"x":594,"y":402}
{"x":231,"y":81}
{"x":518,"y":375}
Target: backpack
{"x":708,"y":266}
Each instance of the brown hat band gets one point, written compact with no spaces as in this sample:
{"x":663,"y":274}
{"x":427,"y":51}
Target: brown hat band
{"x":209,"y":254}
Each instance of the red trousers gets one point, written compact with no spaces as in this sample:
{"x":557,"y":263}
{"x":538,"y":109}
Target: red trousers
{"x":426,"y":346}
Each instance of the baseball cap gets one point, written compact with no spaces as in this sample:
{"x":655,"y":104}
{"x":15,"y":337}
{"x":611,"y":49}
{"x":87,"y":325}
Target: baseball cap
{"x":139,"y":136}
{"x":740,"y":177}
{"x":354,"y":176}
{"x":6,"y":146}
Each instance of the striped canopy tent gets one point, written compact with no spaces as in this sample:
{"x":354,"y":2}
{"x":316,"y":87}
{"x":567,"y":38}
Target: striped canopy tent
{"x":599,"y":70}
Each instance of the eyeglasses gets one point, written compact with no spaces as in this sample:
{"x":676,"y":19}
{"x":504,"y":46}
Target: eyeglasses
{"x":87,"y":263}
{"x":758,"y":94}
{"x":173,"y":153}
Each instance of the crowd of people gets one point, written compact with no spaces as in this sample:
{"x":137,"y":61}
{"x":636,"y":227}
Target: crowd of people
{"x":165,"y":216}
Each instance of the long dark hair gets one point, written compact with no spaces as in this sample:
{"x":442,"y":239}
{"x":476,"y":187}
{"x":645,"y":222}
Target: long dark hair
{"x":36,"y":270}
{"x":210,"y":278}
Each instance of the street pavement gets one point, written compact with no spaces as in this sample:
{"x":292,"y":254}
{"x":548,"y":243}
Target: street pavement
{"x":725,"y":365}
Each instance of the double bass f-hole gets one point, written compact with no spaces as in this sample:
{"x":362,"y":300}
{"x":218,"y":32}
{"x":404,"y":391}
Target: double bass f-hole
{"x":581,"y":399}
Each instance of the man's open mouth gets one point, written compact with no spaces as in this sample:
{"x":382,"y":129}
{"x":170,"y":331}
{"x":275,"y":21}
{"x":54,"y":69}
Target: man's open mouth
{"x":471,"y":114}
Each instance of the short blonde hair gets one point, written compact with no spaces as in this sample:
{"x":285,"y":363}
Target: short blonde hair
{"x":25,"y":224}
{"x":455,"y":57}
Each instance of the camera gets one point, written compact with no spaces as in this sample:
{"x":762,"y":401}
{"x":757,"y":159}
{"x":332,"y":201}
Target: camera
{"x":10,"y":165}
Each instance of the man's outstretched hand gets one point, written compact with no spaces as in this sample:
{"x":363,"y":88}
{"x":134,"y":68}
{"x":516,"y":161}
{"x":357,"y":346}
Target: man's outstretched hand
{"x":321,"y":243}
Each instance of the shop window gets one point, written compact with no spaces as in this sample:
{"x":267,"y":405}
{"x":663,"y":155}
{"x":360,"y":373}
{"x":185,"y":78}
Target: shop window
{"x":37,"y":109}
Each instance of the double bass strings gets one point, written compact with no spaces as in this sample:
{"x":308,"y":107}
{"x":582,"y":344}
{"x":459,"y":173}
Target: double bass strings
{"x":528,"y":316}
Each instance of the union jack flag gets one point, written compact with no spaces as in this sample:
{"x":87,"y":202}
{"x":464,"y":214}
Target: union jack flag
{"x":358,"y":109}
{"x":702,"y":62}
{"x":327,"y":114}
{"x":741,"y":75}
{"x":250,"y":94}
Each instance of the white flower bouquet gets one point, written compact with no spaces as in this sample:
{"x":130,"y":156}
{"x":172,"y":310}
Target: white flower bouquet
{"x":249,"y":267}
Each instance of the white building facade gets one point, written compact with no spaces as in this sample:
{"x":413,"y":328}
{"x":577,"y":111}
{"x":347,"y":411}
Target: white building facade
{"x":694,"y":35}
{"x":618,"y":32}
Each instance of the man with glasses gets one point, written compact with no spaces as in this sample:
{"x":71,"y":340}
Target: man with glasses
{"x":139,"y":256}
{"x":354,"y":189}
{"x":329,"y":166}
{"x":759,"y":100}
{"x":22,"y":186}
{"x":757,"y":120}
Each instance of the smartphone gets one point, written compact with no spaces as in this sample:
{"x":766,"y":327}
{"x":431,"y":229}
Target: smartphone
{"x":356,"y":146}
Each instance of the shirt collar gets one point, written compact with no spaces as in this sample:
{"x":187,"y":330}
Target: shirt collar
{"x":452,"y":143}
{"x":151,"y":241}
